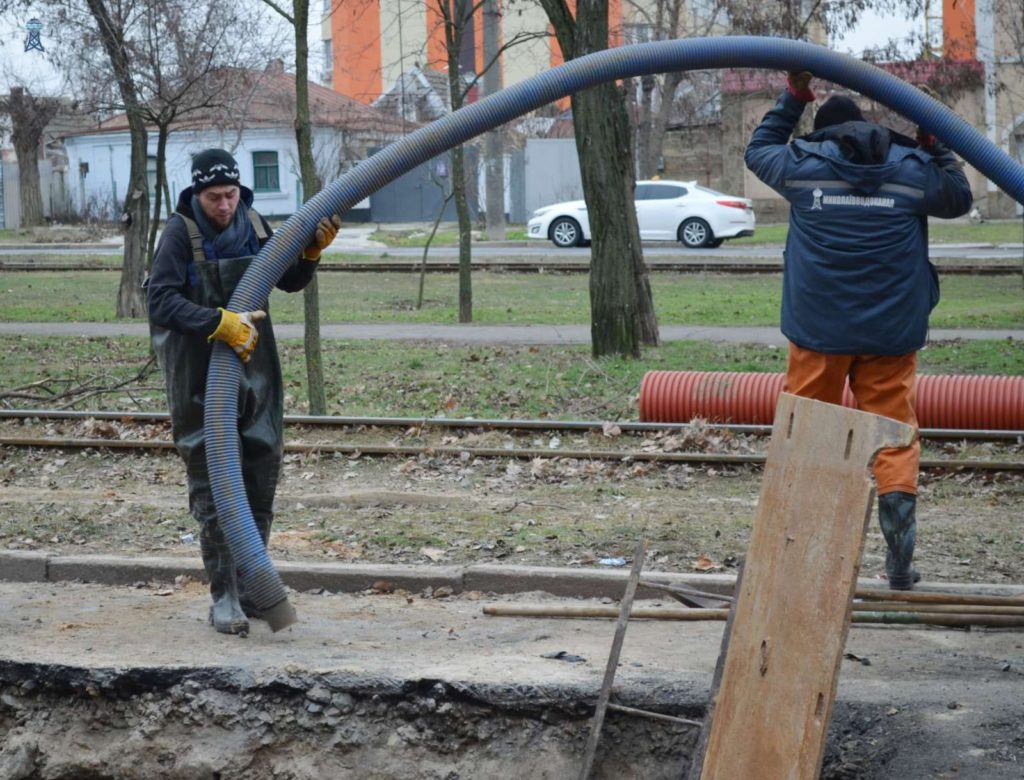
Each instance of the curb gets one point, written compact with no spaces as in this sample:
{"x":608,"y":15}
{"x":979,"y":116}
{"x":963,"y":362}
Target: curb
{"x":22,"y":566}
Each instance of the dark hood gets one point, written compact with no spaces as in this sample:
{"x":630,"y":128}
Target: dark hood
{"x":857,"y":152}
{"x":863,"y":143}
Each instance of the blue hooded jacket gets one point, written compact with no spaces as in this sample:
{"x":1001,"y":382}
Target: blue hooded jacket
{"x":857,"y":278}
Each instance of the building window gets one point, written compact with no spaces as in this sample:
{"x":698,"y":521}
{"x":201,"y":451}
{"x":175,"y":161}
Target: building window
{"x":638,"y":33}
{"x":328,"y":55}
{"x":265,"y":175}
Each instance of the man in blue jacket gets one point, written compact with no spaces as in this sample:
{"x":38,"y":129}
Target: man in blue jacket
{"x":204,"y":250}
{"x":858,"y":286}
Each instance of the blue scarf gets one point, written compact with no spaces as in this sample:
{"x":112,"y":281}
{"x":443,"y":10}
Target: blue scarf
{"x":238,"y":239}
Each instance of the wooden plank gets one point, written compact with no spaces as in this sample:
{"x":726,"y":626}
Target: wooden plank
{"x":792,"y":612}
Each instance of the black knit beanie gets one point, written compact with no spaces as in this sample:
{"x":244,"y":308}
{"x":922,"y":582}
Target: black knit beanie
{"x":836,"y":110}
{"x":213,"y":167}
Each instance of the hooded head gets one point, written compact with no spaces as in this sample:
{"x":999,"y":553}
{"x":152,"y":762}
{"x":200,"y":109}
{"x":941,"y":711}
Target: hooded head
{"x":214,"y":167}
{"x":836,"y":110}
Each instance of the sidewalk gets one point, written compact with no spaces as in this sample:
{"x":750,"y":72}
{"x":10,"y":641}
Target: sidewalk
{"x":480,"y":334}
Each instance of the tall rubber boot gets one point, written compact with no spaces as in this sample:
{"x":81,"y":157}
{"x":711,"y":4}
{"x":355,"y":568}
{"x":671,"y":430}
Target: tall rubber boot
{"x":896,"y":516}
{"x":226,"y":614}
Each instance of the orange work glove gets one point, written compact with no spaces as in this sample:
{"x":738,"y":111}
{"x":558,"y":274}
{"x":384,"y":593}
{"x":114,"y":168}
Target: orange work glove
{"x":326,"y":230}
{"x":238,"y":331}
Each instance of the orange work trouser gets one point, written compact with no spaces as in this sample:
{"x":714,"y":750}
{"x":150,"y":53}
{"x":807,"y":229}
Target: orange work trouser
{"x":881,"y":384}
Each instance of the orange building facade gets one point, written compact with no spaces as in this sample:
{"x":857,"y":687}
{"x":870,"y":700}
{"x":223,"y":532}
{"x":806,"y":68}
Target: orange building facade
{"x":368,"y":44}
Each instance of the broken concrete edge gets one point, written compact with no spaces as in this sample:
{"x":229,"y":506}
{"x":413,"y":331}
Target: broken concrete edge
{"x":303,"y":576}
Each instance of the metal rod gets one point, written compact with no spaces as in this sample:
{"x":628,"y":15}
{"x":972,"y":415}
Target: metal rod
{"x":487,"y":452}
{"x":935,"y":597}
{"x":653,"y":715}
{"x":947,"y":609}
{"x":495,"y":423}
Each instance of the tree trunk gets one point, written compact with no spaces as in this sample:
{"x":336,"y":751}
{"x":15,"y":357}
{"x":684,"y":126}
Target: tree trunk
{"x":494,"y":146}
{"x":621,"y":307}
{"x":455,"y":14}
{"x":614,"y":309}
{"x":465,"y":235}
{"x":130,"y":299}
{"x":310,"y":187}
{"x":27,"y":152}
{"x":135,"y":217}
{"x":159,"y":187}
{"x":646,"y":150}
{"x":29,"y":117}
{"x":659,"y":121}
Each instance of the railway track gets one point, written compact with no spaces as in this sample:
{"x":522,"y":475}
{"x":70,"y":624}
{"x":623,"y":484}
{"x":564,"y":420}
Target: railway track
{"x":489,"y":438}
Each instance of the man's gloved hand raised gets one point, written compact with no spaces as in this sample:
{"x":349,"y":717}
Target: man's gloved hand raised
{"x":238,"y":331}
{"x":326,"y":230}
{"x":799,"y":85}
{"x":925,"y":139}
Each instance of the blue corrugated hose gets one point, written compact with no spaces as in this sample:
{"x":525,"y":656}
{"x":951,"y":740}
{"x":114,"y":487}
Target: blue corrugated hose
{"x":261,"y":579}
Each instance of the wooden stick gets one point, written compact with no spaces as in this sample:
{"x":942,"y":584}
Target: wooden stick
{"x":613,"y":659}
{"x":919,"y":617}
{"x":555,"y":611}
{"x":683,"y":590}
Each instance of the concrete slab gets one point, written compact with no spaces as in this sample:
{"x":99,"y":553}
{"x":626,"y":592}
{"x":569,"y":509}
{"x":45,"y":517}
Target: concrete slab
{"x":23,"y":566}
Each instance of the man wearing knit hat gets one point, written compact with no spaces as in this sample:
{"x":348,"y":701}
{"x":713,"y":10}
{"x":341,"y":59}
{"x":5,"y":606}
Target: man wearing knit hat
{"x":857,"y":284}
{"x":203,"y":252}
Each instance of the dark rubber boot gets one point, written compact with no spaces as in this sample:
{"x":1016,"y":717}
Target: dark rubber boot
{"x":226,"y":614}
{"x":896,"y":516}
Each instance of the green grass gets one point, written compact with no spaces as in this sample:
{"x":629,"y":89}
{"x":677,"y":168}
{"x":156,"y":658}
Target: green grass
{"x":555,"y":299}
{"x":424,"y":379}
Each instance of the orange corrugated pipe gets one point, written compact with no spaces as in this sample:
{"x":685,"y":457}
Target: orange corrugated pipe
{"x":749,"y":398}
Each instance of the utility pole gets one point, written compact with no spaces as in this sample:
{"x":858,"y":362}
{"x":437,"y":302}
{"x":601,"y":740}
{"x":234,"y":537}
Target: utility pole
{"x":494,"y":146}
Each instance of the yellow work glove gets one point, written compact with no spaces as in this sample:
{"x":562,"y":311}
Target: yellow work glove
{"x":238,"y":331}
{"x":326,"y":230}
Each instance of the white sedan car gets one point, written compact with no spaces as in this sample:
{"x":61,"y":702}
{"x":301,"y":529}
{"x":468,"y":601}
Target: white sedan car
{"x":665,"y":210}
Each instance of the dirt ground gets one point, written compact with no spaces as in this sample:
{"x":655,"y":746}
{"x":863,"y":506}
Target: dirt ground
{"x":447,"y":509}
{"x":130,"y":682}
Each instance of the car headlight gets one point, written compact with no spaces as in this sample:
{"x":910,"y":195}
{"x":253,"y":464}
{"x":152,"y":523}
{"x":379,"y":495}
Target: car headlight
{"x":541,"y":212}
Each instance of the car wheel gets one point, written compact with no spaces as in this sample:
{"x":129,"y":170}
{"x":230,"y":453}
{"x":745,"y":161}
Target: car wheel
{"x":714,"y":243}
{"x":565,"y":232}
{"x":695,"y":233}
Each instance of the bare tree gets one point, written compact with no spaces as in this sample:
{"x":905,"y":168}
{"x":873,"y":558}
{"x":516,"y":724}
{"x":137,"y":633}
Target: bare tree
{"x":29,"y":116}
{"x":298,"y":18}
{"x":112,"y":23}
{"x":193,"y":60}
{"x":456,"y":16}
{"x":621,"y":306}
